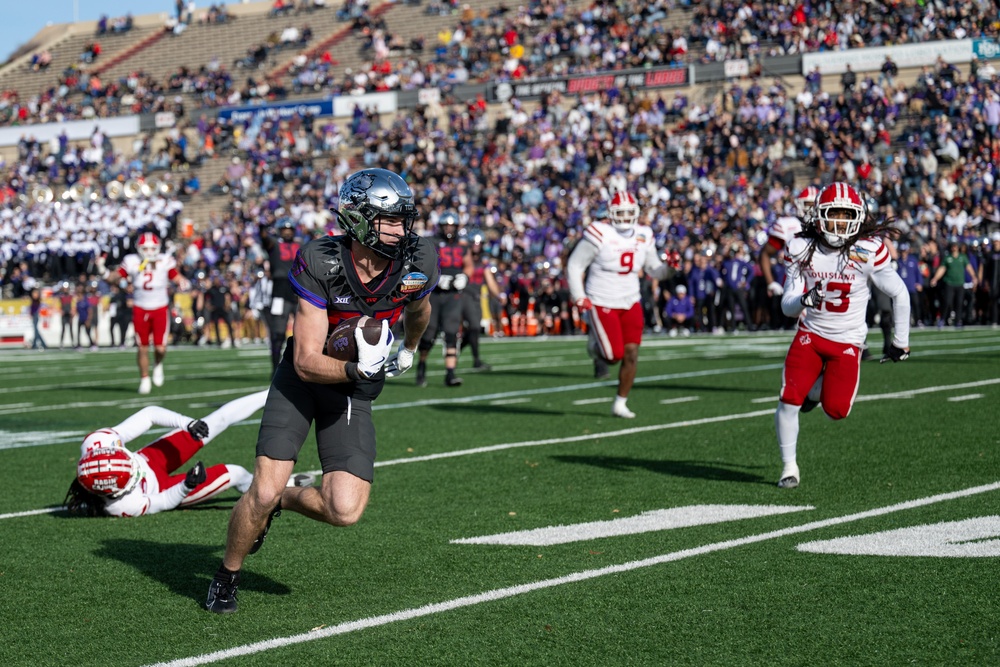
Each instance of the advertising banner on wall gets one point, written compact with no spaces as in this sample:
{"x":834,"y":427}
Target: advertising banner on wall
{"x":123,"y":126}
{"x":987,"y":49}
{"x":905,"y":55}
{"x":278,"y":111}
{"x":659,"y":77}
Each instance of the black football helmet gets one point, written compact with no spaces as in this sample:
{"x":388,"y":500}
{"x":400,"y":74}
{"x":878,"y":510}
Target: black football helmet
{"x":366,"y":196}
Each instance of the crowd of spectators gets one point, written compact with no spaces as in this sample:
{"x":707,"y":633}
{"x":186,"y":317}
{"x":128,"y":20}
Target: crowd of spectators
{"x":710,"y":178}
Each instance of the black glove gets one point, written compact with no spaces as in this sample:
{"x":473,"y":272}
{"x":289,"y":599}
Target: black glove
{"x":895,"y":354}
{"x":198,"y":429}
{"x":813,"y":298}
{"x":195,"y":476}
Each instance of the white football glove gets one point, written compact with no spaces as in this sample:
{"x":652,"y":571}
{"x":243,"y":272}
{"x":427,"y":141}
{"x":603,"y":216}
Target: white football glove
{"x":371,"y":358}
{"x":400,"y":362}
{"x":774,"y":288}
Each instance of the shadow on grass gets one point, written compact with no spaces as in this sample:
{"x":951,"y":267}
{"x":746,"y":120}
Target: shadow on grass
{"x":486,"y":408}
{"x":186,"y":569}
{"x":691,"y":469}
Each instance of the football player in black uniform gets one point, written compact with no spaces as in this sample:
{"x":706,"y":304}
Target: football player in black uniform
{"x":379,"y":268}
{"x":446,"y":301}
{"x":281,"y":252}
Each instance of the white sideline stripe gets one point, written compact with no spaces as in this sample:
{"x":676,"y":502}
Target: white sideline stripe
{"x":682,"y":399}
{"x":503,"y":593}
{"x":510,"y":401}
{"x":967,"y":397}
{"x":589,"y":401}
{"x":47,"y":510}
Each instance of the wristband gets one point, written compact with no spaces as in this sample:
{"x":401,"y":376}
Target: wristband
{"x":351,"y":371}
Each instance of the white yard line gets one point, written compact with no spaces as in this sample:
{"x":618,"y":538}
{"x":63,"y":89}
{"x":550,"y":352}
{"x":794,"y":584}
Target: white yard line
{"x":681,"y":399}
{"x":591,"y":401}
{"x":967,"y":397}
{"x":585,"y":575}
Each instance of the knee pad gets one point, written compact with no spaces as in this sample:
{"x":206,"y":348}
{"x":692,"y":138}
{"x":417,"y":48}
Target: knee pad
{"x":450,"y":339}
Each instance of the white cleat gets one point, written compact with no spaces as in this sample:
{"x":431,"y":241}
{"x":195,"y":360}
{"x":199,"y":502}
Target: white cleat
{"x":145,"y":385}
{"x":158,"y":375}
{"x":622,"y":411}
{"x":789,"y":477}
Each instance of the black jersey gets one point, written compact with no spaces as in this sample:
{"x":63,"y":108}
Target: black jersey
{"x":324,"y":276}
{"x":451,"y":260}
{"x":281,"y":255}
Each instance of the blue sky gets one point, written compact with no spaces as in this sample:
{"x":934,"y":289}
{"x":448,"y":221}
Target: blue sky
{"x":18,"y":27}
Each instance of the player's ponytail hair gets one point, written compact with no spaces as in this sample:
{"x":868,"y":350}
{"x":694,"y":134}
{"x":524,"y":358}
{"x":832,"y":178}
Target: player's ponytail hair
{"x":81,"y":502}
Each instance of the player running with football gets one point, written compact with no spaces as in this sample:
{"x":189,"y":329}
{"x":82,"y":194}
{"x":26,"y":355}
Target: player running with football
{"x":150,"y":273}
{"x":829,"y":266}
{"x":614,"y":254}
{"x":113,"y":481}
{"x":378,"y":268}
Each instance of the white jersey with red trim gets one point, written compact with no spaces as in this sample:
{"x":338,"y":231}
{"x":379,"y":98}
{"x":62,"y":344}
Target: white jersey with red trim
{"x":613,"y":277}
{"x":149,"y":279}
{"x":139,"y":500}
{"x":783,"y":230}
{"x":844,"y":281}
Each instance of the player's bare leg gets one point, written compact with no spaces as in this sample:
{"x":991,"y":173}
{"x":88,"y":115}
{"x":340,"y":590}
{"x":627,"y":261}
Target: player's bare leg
{"x":142,"y":358}
{"x":159,"y":353}
{"x":339,"y":501}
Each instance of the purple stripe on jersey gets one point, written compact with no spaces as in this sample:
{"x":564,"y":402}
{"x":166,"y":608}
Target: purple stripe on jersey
{"x":428,"y":290}
{"x":303,"y":293}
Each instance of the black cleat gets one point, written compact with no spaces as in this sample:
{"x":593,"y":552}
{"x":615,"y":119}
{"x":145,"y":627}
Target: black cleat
{"x":482,"y":365}
{"x":222,"y":593}
{"x":421,"y":380}
{"x":259,"y":542}
{"x":808,"y":405}
{"x":453,"y":382}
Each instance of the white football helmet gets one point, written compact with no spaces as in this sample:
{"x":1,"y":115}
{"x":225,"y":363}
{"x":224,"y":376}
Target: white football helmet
{"x":805,"y":202}
{"x":108,"y":471}
{"x":149,"y":246}
{"x":101,"y":439}
{"x":623,"y":211}
{"x":851,"y":212}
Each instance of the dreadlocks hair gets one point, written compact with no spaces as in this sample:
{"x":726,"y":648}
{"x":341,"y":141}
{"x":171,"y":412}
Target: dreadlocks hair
{"x":81,"y":502}
{"x":871,"y":227}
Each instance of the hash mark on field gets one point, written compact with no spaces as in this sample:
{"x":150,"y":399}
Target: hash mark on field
{"x":585,"y":575}
{"x":682,"y":399}
{"x":589,"y":401}
{"x":766,"y":399}
{"x":510,"y":401}
{"x":967,"y":397}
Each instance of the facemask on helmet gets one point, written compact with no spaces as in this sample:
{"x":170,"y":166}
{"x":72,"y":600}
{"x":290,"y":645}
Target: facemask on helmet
{"x":366,"y":198}
{"x":283,"y":225}
{"x":623,"y":211}
{"x":840,"y":210}
{"x":108,"y":471}
{"x":805,"y":202}
{"x":149,"y":246}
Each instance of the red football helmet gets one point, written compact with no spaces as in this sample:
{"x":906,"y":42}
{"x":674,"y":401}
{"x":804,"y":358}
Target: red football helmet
{"x":850,"y":207}
{"x":149,"y":246}
{"x":805,"y":202}
{"x":108,"y":471}
{"x":624,"y":210}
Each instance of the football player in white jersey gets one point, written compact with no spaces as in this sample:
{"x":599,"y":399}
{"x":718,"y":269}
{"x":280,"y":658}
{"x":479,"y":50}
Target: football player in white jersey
{"x":615,"y":252}
{"x":826,"y":288}
{"x":781,"y":232}
{"x":113,"y":481}
{"x":150,"y":273}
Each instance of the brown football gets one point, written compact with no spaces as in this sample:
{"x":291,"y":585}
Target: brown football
{"x":342,"y":345}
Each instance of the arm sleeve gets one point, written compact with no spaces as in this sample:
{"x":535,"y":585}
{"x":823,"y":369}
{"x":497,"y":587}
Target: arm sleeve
{"x":137,"y":504}
{"x":791,"y":300}
{"x":581,"y":257}
{"x":145,"y":419}
{"x":893,"y":286}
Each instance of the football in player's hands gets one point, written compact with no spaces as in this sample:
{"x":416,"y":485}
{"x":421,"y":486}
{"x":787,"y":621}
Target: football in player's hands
{"x":372,"y":356}
{"x":342,"y":343}
{"x":198,"y":429}
{"x":195,"y":476}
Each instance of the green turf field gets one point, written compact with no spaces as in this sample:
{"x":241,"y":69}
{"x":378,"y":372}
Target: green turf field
{"x":675,"y":546}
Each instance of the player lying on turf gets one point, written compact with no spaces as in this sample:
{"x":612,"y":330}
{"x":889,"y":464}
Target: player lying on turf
{"x":113,"y":481}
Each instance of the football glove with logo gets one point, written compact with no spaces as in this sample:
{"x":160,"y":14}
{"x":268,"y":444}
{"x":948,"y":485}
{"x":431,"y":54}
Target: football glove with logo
{"x":400,"y":362}
{"x":198,"y":429}
{"x":195,"y":476}
{"x":371,"y":357}
{"x":813,"y":298}
{"x":895,"y":354}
